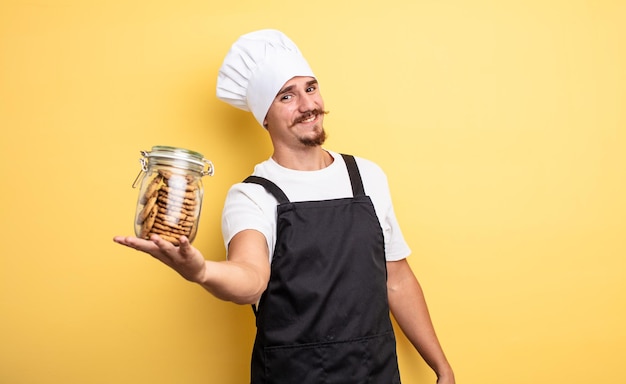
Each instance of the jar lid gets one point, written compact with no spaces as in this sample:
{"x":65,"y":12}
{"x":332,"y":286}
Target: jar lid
{"x":179,"y":157}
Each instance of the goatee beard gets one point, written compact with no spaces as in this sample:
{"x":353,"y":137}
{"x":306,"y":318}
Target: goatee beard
{"x":318,"y":140}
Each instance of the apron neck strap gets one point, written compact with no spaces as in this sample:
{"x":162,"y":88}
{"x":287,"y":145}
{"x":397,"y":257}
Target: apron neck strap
{"x":270,"y":187}
{"x":355,"y":175}
{"x":353,"y":172}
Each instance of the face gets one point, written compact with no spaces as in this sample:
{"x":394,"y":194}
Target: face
{"x":296,"y":115}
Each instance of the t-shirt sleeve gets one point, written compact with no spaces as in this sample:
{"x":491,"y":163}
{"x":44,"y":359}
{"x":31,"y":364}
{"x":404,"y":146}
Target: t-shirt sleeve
{"x":248,"y":206}
{"x":377,"y":187}
{"x":396,"y":248}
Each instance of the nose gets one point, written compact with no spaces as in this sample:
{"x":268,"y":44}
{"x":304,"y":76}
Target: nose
{"x":307,"y":103}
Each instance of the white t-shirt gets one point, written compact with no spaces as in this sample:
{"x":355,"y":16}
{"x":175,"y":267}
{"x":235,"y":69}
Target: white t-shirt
{"x":250,"y":206}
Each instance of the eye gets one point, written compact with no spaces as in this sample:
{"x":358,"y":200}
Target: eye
{"x":286,"y":97}
{"x":310,"y":89}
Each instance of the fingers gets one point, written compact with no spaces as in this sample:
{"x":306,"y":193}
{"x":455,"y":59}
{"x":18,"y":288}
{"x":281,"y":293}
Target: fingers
{"x":138,"y":244}
{"x":119,"y":239}
{"x":129,"y":241}
{"x":164,"y":245}
{"x":159,"y":247}
{"x":178,"y":253}
{"x":185,"y":247}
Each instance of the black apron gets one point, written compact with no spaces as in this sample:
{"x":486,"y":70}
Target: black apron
{"x":324,"y":317}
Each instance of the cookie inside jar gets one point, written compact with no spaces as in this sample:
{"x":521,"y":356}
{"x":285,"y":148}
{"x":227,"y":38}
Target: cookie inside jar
{"x":171,"y":192}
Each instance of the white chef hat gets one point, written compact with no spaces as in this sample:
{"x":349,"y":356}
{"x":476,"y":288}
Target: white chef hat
{"x":255,"y":69}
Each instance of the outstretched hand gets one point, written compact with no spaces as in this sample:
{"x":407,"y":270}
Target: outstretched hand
{"x":185,"y":259}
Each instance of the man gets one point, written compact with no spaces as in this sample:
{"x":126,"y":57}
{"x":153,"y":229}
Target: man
{"x":312,"y":239}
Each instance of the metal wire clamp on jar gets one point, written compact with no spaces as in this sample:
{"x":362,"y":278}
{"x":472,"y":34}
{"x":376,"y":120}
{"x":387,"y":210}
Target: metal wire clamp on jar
{"x":170,"y":197}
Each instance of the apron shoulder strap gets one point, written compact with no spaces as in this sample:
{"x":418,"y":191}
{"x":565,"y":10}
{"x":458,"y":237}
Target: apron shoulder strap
{"x":278,"y":194}
{"x":355,"y":175}
{"x":270,"y":187}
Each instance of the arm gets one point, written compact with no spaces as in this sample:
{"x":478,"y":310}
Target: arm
{"x":407,"y":303}
{"x":240,"y":279}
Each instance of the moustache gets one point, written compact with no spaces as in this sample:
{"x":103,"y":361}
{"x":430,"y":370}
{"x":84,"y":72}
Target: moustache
{"x":308,"y":114}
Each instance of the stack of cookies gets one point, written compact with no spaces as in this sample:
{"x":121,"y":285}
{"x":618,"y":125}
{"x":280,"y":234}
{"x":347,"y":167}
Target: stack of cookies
{"x":169,"y":207}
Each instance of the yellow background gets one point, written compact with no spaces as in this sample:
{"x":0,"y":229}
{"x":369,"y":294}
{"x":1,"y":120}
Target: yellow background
{"x":501,"y":125}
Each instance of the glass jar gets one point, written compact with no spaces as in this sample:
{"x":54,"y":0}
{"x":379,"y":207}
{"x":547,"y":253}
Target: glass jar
{"x":171,"y":192}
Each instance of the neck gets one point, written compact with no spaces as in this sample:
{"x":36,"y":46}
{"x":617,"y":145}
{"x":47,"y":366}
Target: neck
{"x":304,"y":159}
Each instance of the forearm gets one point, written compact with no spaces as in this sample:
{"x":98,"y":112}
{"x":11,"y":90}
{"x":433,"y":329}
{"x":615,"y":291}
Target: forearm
{"x":233,"y":281}
{"x":245,"y":275}
{"x":408,"y":305}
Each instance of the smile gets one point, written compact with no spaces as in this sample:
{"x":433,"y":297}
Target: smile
{"x":307,"y":118}
{"x":310,"y":119}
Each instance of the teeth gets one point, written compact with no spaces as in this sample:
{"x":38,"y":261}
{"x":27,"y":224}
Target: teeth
{"x":309,"y":119}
